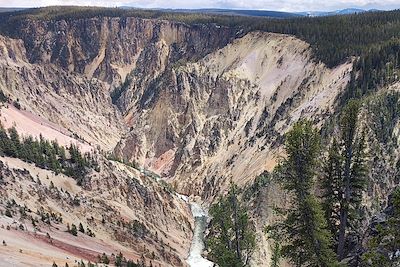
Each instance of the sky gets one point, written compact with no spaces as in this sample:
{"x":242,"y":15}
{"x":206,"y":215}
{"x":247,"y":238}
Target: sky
{"x":278,"y":5}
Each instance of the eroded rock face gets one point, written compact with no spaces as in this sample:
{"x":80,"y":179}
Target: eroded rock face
{"x":222,"y":117}
{"x":81,"y":105}
{"x":72,"y":90}
{"x":110,"y":48}
{"x":200,"y":105}
{"x":82,"y":62}
{"x":127,"y":211}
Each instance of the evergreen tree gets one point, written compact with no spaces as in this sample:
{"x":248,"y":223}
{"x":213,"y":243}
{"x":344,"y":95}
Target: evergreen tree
{"x":231,"y":240}
{"x":383,"y":247}
{"x":73,"y":230}
{"x":119,"y":259}
{"x":81,"y":229}
{"x":332,"y":185}
{"x":4,"y":142}
{"x":308,"y":241}
{"x":345,"y":174}
{"x":276,"y":255}
{"x":14,"y":148}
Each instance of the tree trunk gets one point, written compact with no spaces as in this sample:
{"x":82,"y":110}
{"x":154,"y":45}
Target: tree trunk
{"x":342,"y":234}
{"x":237,"y":235}
{"x":344,"y":206}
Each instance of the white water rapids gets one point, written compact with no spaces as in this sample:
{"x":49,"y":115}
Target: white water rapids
{"x":200,"y":219}
{"x":196,"y":248}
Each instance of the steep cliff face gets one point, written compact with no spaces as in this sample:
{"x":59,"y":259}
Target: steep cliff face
{"x":72,"y":101}
{"x":223,"y":117}
{"x":379,"y":121}
{"x":200,"y":105}
{"x":126,"y":211}
{"x":69,"y":97}
{"x":110,"y":48}
{"x":87,"y":60}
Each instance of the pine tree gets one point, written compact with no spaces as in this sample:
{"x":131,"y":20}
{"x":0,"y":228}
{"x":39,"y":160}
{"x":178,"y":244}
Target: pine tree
{"x":305,"y":228}
{"x":73,"y":230}
{"x":119,"y":259}
{"x":15,"y":143}
{"x":276,"y":255}
{"x":332,"y":186}
{"x":344,"y":179}
{"x":81,"y":229}
{"x":4,"y":142}
{"x":231,"y":240}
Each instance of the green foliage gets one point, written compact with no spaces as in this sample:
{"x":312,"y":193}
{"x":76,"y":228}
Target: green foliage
{"x":383,"y":247}
{"x":307,"y":240}
{"x":138,"y":229}
{"x":45,"y":154}
{"x":345,"y":177}
{"x":371,"y":36}
{"x":89,"y":232}
{"x":104,"y":259}
{"x":119,"y":259}
{"x":81,"y":229}
{"x":231,"y":239}
{"x":332,"y":185}
{"x":17,"y":104}
{"x":334,"y":38}
{"x":253,"y":190}
{"x":8,"y":213}
{"x":276,"y":255}
{"x":3,"y":97}
{"x":73,"y":230}
{"x":384,"y":113}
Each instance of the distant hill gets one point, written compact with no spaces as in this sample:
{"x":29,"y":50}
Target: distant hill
{"x":10,"y":9}
{"x":346,"y":11}
{"x":265,"y":13}
{"x":253,"y":13}
{"x":231,"y":12}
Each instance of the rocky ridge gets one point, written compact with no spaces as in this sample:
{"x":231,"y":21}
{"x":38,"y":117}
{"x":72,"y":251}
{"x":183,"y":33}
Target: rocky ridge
{"x":199,"y":105}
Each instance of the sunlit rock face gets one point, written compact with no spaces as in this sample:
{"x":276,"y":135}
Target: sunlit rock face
{"x":222,"y":117}
{"x":199,"y":105}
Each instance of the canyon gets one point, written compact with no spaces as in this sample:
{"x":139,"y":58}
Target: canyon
{"x":167,"y":109}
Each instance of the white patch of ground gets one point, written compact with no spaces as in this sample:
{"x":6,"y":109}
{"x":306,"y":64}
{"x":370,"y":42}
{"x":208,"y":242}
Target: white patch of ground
{"x":28,"y":124}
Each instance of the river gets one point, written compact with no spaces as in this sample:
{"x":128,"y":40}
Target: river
{"x":195,"y":258}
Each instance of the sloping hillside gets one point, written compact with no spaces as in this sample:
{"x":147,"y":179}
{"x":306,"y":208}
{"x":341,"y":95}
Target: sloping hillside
{"x":167,"y":107}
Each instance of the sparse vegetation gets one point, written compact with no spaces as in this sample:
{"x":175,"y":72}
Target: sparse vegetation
{"x":311,"y":231}
{"x":3,"y":97}
{"x":46,"y":155}
{"x":231,"y":239}
{"x":81,"y":229}
{"x":72,"y":229}
{"x":104,"y":259}
{"x":345,"y":178}
{"x":17,"y":104}
{"x":383,"y":246}
{"x":306,"y":239}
